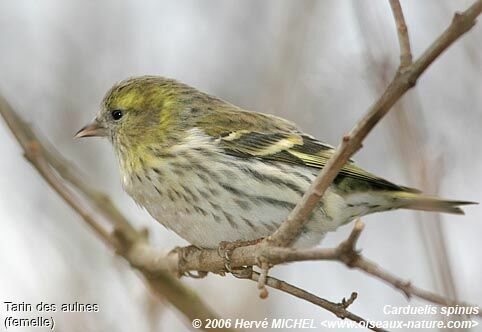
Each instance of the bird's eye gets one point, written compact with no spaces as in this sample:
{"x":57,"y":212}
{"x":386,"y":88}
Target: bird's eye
{"x":117,"y":114}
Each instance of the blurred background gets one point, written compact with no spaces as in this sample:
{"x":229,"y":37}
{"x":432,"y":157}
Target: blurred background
{"x":318,"y":63}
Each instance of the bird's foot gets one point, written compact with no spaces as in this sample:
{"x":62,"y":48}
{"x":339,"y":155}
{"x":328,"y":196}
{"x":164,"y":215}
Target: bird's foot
{"x":226,"y":248}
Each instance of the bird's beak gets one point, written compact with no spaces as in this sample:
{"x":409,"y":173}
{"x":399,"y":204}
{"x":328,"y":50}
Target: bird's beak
{"x":92,"y":129}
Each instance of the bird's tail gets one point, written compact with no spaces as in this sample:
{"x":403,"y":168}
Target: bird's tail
{"x":416,"y":201}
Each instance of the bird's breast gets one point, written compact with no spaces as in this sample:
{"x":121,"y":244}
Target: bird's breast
{"x":207,"y":196}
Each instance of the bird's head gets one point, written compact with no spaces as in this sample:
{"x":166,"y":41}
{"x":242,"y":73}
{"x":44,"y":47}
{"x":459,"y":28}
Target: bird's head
{"x":141,"y":110}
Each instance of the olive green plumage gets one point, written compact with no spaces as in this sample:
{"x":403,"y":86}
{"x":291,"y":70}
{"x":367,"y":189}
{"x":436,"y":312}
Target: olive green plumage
{"x":212,"y":171}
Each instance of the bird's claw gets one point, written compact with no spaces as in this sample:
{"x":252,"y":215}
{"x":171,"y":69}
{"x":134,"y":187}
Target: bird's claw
{"x":225,"y":250}
{"x":197,"y":275}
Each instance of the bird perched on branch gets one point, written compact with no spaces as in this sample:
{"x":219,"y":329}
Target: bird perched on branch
{"x":213,"y":172}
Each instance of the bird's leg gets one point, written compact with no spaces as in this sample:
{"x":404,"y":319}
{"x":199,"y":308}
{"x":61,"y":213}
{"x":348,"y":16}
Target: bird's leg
{"x":226,"y":248}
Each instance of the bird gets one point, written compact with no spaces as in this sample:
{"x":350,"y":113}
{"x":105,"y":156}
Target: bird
{"x":213,"y":172}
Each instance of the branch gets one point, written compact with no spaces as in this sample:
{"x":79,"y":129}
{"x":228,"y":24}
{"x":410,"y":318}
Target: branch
{"x":352,"y":142}
{"x":202,"y":260}
{"x":403,"y":39}
{"x":205,"y":260}
{"x":339,"y":309}
{"x":163,"y":284}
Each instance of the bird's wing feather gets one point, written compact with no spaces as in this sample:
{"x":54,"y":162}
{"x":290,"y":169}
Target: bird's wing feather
{"x":295,"y":148}
{"x":255,"y":135}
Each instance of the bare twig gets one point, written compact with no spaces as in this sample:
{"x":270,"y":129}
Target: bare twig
{"x":403,"y":39}
{"x":339,"y":309}
{"x":346,"y":303}
{"x":401,"y":83}
{"x":403,"y":285}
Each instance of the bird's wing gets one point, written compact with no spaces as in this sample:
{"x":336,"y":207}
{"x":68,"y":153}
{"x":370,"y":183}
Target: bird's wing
{"x":295,"y":148}
{"x":255,"y":135}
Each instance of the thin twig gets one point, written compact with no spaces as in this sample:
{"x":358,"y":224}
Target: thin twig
{"x":339,"y":309}
{"x":402,"y":31}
